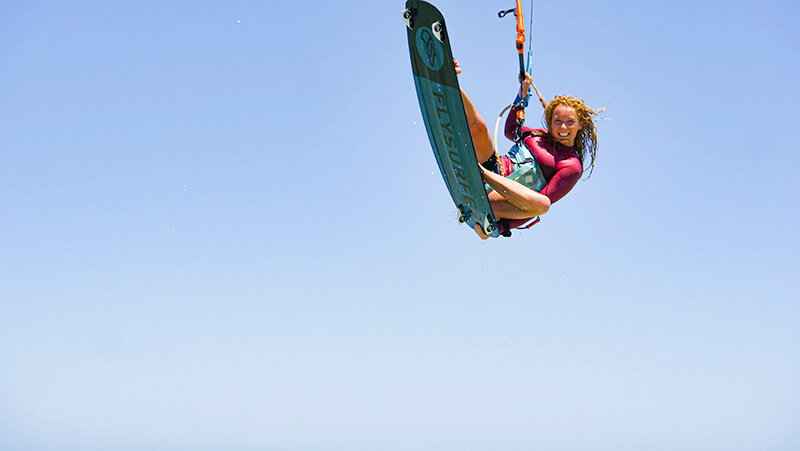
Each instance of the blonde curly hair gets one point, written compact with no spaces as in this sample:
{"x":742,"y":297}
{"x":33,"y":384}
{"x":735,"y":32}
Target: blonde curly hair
{"x":586,"y":141}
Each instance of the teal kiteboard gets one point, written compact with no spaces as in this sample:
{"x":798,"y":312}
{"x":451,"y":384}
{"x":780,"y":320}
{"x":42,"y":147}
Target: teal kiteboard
{"x":443,"y":114}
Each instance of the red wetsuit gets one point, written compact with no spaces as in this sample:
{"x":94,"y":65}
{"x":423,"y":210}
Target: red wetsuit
{"x":559,"y":163}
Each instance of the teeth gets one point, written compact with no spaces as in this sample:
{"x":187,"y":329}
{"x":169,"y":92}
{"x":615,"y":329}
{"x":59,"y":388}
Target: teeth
{"x":564,"y":135}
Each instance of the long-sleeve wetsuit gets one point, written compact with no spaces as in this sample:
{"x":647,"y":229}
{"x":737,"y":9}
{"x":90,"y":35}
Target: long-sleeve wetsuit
{"x":559,"y":163}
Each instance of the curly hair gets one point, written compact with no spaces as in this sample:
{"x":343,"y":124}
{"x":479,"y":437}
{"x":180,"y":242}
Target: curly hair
{"x":586,"y":141}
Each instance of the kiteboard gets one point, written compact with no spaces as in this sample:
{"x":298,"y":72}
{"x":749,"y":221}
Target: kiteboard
{"x":443,"y":113}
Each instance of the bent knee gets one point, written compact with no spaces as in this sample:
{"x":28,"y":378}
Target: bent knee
{"x":539,"y":205}
{"x":545,"y":208}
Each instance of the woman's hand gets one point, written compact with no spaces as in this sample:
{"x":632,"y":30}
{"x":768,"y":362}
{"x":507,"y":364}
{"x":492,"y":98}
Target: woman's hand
{"x":458,"y":66}
{"x":526,"y":85}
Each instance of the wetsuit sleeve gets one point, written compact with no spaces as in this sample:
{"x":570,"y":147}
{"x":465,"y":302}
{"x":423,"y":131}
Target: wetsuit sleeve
{"x":563,"y":180}
{"x":511,"y":125}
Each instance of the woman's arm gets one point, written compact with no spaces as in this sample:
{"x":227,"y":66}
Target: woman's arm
{"x":562,"y":182}
{"x":511,"y":120}
{"x":511,"y":125}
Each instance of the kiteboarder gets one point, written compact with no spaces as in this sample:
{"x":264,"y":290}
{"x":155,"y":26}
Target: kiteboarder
{"x":559,"y":151}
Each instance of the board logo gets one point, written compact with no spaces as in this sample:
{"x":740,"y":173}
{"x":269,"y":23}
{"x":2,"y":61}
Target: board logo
{"x":430,"y":49}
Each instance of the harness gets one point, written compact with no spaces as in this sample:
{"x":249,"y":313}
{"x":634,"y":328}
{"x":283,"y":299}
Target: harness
{"x":525,"y":170}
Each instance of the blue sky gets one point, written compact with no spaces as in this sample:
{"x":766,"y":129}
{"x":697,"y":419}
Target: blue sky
{"x":223,"y":228}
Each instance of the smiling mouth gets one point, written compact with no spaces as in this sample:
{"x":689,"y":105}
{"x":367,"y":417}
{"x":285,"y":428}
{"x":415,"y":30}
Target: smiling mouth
{"x":564,"y":135}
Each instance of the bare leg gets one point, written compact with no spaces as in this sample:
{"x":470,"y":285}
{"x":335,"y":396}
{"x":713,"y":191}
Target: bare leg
{"x":481,"y":138}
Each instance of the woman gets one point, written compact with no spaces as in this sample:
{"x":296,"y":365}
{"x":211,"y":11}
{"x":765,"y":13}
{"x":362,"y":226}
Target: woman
{"x":559,"y":151}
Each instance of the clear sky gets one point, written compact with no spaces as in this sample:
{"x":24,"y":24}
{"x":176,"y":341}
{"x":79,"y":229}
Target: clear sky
{"x":223,"y":228}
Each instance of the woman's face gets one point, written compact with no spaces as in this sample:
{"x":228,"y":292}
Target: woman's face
{"x":564,"y":125}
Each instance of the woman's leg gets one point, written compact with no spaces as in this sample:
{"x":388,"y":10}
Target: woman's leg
{"x":481,"y":138}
